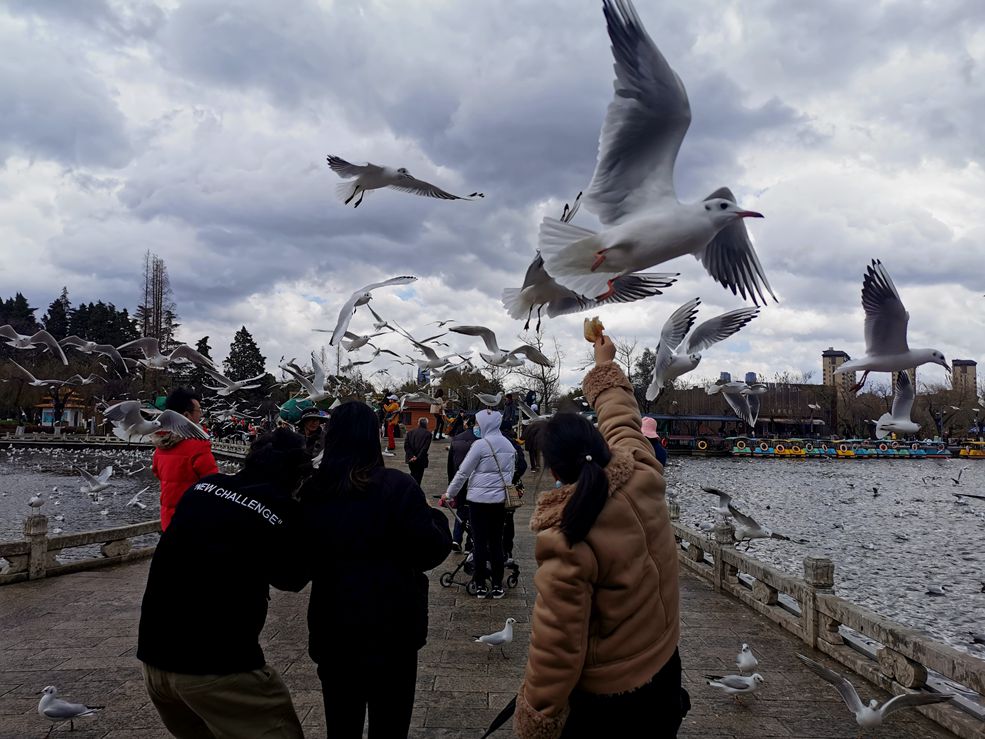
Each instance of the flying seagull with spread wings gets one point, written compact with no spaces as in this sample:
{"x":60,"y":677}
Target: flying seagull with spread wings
{"x":362,"y":296}
{"x":500,"y":357}
{"x":366,"y":177}
{"x":42,"y":338}
{"x":632,"y":190}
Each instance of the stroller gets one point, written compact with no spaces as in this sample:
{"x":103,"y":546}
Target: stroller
{"x":467,"y":564}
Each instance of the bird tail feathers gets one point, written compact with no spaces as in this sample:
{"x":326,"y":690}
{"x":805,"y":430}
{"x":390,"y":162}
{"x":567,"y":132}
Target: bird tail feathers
{"x":655,"y":388}
{"x":345,"y":190}
{"x":514,"y":303}
{"x":881,"y":431}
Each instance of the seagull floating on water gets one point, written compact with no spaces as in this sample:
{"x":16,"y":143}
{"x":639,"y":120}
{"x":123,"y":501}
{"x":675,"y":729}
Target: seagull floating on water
{"x":632,"y":190}
{"x":886,"y":349}
{"x":872,"y":715}
{"x":373,"y":177}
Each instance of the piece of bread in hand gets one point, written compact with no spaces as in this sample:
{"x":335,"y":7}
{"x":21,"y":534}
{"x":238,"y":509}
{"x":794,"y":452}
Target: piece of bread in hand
{"x":593,"y":329}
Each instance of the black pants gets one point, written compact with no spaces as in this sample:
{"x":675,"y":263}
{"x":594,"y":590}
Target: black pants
{"x":417,"y":471}
{"x":655,"y":710}
{"x":509,"y":532}
{"x":385,"y":685}
{"x":439,"y":424}
{"x":487,"y":521}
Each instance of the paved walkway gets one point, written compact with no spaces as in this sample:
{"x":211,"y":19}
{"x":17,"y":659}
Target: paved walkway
{"x":78,"y":632}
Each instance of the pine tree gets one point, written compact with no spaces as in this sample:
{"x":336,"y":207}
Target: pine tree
{"x":642,"y":375}
{"x":18,"y":313}
{"x":245,"y":359}
{"x":196,"y":376}
{"x":56,"y":320}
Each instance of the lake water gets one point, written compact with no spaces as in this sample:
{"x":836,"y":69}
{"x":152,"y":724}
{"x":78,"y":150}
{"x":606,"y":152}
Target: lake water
{"x":887,"y":549}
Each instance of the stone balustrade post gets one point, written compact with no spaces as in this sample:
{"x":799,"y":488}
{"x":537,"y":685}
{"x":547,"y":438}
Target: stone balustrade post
{"x":724,"y":536}
{"x":819,"y":574}
{"x":674,"y":509}
{"x":36,"y":535}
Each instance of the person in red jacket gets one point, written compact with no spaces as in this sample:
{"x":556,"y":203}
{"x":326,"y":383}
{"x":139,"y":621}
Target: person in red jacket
{"x":179,"y":463}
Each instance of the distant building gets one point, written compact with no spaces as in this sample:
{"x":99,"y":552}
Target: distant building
{"x":832,"y":359}
{"x":913,"y":379}
{"x":964,"y":379}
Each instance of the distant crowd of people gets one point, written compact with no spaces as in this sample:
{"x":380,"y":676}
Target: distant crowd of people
{"x":604,"y":630}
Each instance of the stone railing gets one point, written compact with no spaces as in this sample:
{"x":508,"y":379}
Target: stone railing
{"x":896,"y":658}
{"x":231,"y":450}
{"x":36,"y":556}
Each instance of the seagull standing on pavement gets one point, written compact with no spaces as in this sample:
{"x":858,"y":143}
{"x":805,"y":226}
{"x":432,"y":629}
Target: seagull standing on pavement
{"x":373,"y":177}
{"x":500,"y":638}
{"x":872,"y":715}
{"x":745,"y":660}
{"x":886,"y":320}
{"x":58,"y":711}
{"x":736,"y":685}
{"x":632,"y":190}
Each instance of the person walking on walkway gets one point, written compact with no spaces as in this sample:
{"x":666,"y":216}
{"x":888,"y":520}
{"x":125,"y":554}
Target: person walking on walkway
{"x":649,"y":429}
{"x":463,"y":436}
{"x":391,"y":417}
{"x":603,"y":657}
{"x":488,"y":468}
{"x":416,"y":447}
{"x":438,"y":411}
{"x":509,"y":412}
{"x":371,"y":536}
{"x":206,"y":597}
{"x":179,"y":463}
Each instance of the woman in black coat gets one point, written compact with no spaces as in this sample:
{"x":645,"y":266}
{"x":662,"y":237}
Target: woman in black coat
{"x":371,"y":536}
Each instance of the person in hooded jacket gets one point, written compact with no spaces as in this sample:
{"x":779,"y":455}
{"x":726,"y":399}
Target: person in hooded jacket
{"x":179,"y":463}
{"x":488,"y":468}
{"x":371,"y":535}
{"x":205,"y":601}
{"x":603,"y":657}
{"x":462,"y":438}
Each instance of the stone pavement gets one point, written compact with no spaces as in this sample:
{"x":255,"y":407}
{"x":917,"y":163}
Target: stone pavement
{"x":78,"y":632}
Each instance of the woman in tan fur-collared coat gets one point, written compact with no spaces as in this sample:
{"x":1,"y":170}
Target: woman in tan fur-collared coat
{"x":603,"y":643}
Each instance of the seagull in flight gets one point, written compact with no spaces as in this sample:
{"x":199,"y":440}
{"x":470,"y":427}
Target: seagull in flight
{"x":886,"y":349}
{"x":871,"y":715}
{"x":362,"y":296}
{"x":41,"y":338}
{"x":500,"y":357}
{"x":743,"y":401}
{"x":134,"y":502}
{"x":227,"y":386}
{"x":675,"y":356}
{"x":898,"y":419}
{"x":34,"y":381}
{"x":153,"y":359}
{"x":316,"y":387}
{"x":373,"y":177}
{"x":632,"y":190}
{"x":540,"y":290}
{"x":91,"y":347}
{"x":95,"y":483}
{"x":129,"y":423}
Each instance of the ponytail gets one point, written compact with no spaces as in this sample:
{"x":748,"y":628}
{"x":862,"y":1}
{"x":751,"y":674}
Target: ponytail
{"x":567,"y":433}
{"x":585,"y":505}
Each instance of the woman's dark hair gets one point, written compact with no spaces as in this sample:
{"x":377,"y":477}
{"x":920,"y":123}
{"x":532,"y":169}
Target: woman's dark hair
{"x":439,"y":393}
{"x":568,"y":439}
{"x":278,"y":457}
{"x":180,"y":400}
{"x":352,"y":449}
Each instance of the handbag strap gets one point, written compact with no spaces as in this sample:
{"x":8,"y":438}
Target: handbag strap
{"x":496,"y":460}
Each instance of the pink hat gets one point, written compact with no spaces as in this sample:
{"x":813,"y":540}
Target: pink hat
{"x":650,"y":427}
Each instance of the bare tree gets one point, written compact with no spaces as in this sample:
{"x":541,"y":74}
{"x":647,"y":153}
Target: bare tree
{"x":545,"y":380}
{"x":157,"y":312}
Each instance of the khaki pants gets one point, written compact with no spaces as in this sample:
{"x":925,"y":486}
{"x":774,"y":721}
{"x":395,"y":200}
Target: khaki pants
{"x":243,"y":704}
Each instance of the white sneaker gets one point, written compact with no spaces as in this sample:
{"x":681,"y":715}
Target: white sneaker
{"x":388,"y":453}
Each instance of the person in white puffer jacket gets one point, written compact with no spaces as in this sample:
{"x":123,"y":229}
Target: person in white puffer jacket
{"x":488,"y":468}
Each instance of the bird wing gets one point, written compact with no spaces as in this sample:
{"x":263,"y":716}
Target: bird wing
{"x":718,"y":329}
{"x":320,"y":377}
{"x":59,"y":710}
{"x":569,"y":211}
{"x":644,"y":126}
{"x":347,"y":170}
{"x":430,"y":353}
{"x":23,"y":372}
{"x":731,"y":259}
{"x":108,"y":350}
{"x":180,"y":425}
{"x":43,"y":337}
{"x":87,"y":476}
{"x":487,"y":336}
{"x":402,"y":280}
{"x":885,"y":317}
{"x":73,"y":341}
{"x":746,"y":520}
{"x":345,"y":316}
{"x":533,"y":354}
{"x":218,"y":377}
{"x":408,"y":183}
{"x":844,"y":687}
{"x":753,"y":402}
{"x":724,"y":499}
{"x":903,"y":398}
{"x":736,"y":682}
{"x":676,"y":327}
{"x":105,"y":474}
{"x":8,"y":332}
{"x":626,"y":289}
{"x":126,"y":413}
{"x":909,"y":700}
{"x":186,"y":352}
{"x":148,"y":345}
{"x":740,"y":406}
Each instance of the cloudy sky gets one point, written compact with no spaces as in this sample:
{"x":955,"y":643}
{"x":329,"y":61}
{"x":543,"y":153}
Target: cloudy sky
{"x":199,"y":129}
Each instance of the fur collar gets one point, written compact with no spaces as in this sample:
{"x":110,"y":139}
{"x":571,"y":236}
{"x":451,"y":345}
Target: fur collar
{"x":551,"y":503}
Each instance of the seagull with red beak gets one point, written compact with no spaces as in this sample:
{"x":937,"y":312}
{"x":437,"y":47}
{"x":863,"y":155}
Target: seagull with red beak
{"x":632,"y":190}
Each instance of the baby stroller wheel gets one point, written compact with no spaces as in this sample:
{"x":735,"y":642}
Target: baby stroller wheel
{"x":471,"y":587}
{"x":513,"y":579}
{"x":445,"y":579}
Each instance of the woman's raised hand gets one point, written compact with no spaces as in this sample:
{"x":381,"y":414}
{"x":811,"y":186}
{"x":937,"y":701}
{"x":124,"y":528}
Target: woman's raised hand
{"x":605,"y":350}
